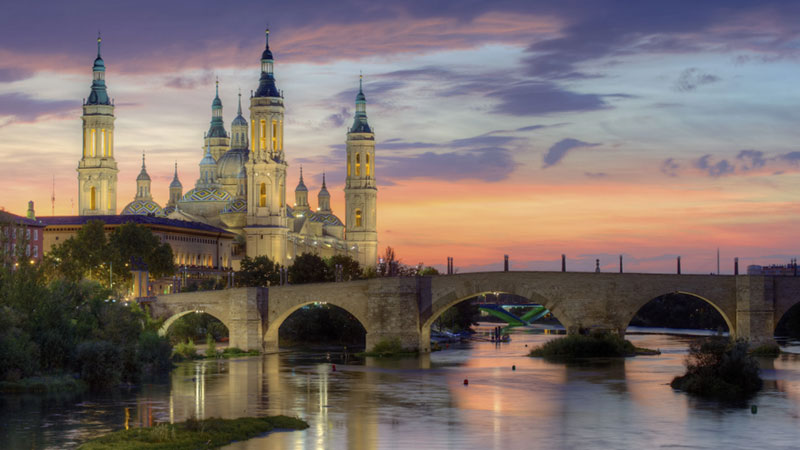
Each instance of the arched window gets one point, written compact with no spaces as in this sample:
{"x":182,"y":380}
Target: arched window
{"x":103,"y":142}
{"x":263,"y":135}
{"x":274,"y":134}
{"x":253,"y":132}
{"x":348,"y":166}
{"x":262,"y":201}
{"x":358,"y":164}
{"x":358,"y":217}
{"x":93,"y":199}
{"x":367,"y":161}
{"x":94,"y":144}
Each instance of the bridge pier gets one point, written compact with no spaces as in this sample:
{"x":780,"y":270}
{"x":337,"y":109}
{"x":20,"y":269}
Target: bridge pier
{"x":755,"y":309}
{"x":392,"y":313}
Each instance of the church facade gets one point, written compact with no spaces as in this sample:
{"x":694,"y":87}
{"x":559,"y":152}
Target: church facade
{"x":242,"y":183}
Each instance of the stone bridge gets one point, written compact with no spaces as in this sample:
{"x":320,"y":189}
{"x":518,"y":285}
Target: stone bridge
{"x":405,"y":308}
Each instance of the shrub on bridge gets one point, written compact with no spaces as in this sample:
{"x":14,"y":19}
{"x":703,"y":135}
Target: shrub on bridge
{"x":720,"y":368}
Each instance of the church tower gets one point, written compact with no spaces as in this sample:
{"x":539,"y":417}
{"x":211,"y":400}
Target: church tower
{"x":175,"y":189}
{"x":301,"y":195}
{"x":97,"y":169}
{"x":360,"y":191}
{"x":267,"y":225}
{"x":216,"y":137}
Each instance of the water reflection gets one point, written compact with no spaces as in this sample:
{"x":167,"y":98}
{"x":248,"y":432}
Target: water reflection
{"x":423,"y":402}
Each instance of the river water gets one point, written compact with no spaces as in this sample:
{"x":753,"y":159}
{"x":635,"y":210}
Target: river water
{"x":422,"y":402}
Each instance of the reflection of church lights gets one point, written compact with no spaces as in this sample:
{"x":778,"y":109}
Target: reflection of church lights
{"x":200,"y":391}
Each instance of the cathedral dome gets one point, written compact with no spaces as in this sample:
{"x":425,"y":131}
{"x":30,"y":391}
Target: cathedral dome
{"x":231,"y":163}
{"x":235,"y":206}
{"x":239,"y":121}
{"x":327,"y":219}
{"x":143,"y":208}
{"x":206,"y":195}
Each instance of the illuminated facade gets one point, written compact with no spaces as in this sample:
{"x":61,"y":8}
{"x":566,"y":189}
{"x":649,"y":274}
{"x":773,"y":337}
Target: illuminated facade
{"x":242,"y":184}
{"x":97,"y":169}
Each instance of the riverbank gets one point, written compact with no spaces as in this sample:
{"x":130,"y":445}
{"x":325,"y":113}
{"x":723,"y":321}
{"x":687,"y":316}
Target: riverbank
{"x":43,"y":385}
{"x":193,"y":433}
{"x":591,"y":346}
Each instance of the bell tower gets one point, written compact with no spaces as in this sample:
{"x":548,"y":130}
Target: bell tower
{"x":361,"y":191}
{"x":97,"y":169}
{"x":267,"y":225}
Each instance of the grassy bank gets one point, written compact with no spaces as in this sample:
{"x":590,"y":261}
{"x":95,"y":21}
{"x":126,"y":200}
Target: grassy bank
{"x":388,"y":348}
{"x":591,"y":346}
{"x":47,"y":384}
{"x":193,"y":434}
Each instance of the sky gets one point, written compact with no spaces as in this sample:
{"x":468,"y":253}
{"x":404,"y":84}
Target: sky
{"x":587,"y":128}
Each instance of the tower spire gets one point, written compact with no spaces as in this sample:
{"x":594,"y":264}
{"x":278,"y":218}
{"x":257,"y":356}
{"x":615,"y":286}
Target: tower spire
{"x":360,"y":124}
{"x":99,"y":40}
{"x":239,"y":111}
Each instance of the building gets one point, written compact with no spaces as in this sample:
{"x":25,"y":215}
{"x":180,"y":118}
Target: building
{"x":242,"y":184}
{"x":201,"y":251}
{"x":20,"y":231}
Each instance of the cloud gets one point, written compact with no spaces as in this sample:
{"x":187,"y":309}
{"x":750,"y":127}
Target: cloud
{"x":10,"y":74}
{"x":190,"y":81}
{"x":714,"y":169}
{"x":670,"y":168}
{"x":24,"y":108}
{"x":339,"y":119}
{"x":596,"y":174}
{"x":559,"y":150}
{"x":692,"y":78}
{"x":751,"y":159}
{"x":531,"y":98}
{"x":485,"y":164}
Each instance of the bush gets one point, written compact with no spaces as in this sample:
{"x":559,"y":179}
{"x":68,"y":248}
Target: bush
{"x":766,"y":350}
{"x":100,"y":364}
{"x":583,"y":346}
{"x":211,"y":346}
{"x":19,"y":356}
{"x":155,"y":353}
{"x":720,"y":368}
{"x":387,"y":347}
{"x":186,"y":350}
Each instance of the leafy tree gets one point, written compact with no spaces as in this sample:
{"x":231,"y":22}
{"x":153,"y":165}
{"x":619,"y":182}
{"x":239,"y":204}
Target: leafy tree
{"x":321,"y":324}
{"x":308,"y":268}
{"x":351,"y":270}
{"x":81,"y":255}
{"x":428,"y":270}
{"x":391,"y":266}
{"x":459,"y":317}
{"x":258,"y":271}
{"x":134,"y":241}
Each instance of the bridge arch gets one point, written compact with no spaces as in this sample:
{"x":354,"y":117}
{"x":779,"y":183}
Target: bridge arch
{"x":175,"y":315}
{"x":462,"y":292}
{"x":352,"y":306}
{"x":627,"y":314}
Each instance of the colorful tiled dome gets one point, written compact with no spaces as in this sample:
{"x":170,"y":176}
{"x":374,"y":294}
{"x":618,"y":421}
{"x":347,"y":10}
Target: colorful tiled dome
{"x":143,"y":208}
{"x":235,"y":206}
{"x":325,"y":218}
{"x":206,"y":195}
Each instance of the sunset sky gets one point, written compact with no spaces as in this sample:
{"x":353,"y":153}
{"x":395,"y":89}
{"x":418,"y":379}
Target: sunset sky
{"x":589,"y":128}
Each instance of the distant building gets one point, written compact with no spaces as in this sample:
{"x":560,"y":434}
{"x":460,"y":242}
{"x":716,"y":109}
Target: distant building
{"x":775,"y":269}
{"x":22,"y":231}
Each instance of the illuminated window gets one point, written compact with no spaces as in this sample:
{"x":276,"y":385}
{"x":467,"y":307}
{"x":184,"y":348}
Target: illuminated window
{"x":358,"y":217}
{"x":367,"y":161}
{"x":263,"y":198}
{"x":280,"y":134}
{"x":111,"y":143}
{"x":274,"y":134}
{"x":94,"y":142}
{"x":92,"y":199}
{"x":103,"y":143}
{"x":348,"y":167}
{"x":263,"y":135}
{"x":253,"y":132}
{"x":358,"y":164}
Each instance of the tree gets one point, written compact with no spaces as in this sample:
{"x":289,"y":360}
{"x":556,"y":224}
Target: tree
{"x":391,"y":266}
{"x":427,"y":271}
{"x":308,"y":268}
{"x":351,"y":270}
{"x":459,"y":317}
{"x":258,"y":271}
{"x":89,"y":254}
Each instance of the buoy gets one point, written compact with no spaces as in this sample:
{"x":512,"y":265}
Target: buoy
{"x":334,"y":367}
{"x":466,"y":382}
{"x":754,"y":409}
{"x":526,"y":345}
{"x":514,"y":367}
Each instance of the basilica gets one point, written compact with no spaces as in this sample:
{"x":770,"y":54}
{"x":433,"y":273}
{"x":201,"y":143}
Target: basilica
{"x":242,"y":183}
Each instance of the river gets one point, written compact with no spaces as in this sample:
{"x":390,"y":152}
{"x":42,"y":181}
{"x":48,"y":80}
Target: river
{"x":423,"y":403}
